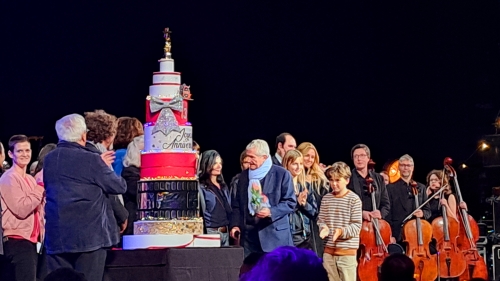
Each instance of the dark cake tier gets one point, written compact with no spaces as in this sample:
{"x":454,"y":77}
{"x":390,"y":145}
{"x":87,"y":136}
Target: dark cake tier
{"x":166,"y":200}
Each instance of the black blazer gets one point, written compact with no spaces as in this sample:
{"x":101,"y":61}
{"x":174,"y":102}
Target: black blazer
{"x":402,"y":204}
{"x":276,"y":161}
{"x":381,"y":196}
{"x":119,"y":210}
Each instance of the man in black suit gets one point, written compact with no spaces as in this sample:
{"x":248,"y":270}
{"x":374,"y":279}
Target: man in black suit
{"x":360,"y":154}
{"x":402,"y":199}
{"x":284,"y":142}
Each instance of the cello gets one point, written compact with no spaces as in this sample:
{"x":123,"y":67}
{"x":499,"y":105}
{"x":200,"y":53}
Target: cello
{"x":445,"y":231}
{"x":417,"y":233}
{"x":374,"y":237}
{"x":468,"y":235}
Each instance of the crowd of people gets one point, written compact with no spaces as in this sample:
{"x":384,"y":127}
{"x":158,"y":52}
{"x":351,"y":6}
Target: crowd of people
{"x":77,"y":200}
{"x":80,"y":196}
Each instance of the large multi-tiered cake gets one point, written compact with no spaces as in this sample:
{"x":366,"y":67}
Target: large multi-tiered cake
{"x":168,"y":213}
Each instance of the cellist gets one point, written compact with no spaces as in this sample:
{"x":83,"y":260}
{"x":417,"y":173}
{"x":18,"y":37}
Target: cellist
{"x":402,"y":200}
{"x":449,"y":201}
{"x":445,"y":226}
{"x":360,"y":154}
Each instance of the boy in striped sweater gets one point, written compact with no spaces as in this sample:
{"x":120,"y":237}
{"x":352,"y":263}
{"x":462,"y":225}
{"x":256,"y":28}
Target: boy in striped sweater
{"x":340,"y":219}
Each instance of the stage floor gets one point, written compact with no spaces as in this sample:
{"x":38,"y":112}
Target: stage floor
{"x":198,"y":264}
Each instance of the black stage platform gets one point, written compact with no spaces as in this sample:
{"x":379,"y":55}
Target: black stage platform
{"x":199,"y":264}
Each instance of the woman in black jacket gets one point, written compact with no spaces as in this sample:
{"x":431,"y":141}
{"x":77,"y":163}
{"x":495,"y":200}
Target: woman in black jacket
{"x":131,"y":174}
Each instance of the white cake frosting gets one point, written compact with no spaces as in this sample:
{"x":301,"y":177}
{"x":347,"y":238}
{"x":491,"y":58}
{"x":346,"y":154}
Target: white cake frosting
{"x":167,"y":77}
{"x":166,"y":65}
{"x":163,"y":91}
{"x":179,"y":141}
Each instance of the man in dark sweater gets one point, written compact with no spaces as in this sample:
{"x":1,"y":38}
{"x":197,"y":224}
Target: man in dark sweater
{"x":79,"y":220}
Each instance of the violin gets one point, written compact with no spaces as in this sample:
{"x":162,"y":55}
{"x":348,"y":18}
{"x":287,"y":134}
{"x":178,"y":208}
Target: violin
{"x":446,"y":231}
{"x":417,"y":233}
{"x":468,"y":234}
{"x":374,"y":237}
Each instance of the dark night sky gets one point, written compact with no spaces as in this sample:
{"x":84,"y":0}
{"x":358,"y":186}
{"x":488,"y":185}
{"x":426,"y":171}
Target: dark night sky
{"x":400,"y":76}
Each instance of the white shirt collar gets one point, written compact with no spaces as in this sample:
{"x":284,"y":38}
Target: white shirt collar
{"x":278,"y":157}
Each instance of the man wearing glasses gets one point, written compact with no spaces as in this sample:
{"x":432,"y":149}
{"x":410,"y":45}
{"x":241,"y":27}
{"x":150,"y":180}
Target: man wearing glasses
{"x":402,"y":199}
{"x":360,"y":154}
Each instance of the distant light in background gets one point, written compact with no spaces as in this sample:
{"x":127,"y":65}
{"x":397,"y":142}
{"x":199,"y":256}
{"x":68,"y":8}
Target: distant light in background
{"x":484,"y":146}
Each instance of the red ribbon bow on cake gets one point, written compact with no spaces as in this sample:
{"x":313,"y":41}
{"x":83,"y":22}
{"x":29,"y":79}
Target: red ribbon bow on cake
{"x":166,"y":122}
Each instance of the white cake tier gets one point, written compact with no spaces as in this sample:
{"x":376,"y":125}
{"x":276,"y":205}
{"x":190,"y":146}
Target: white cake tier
{"x":166,"y":65}
{"x":164,"y":91}
{"x":178,"y":141}
{"x":167,"y":77}
{"x":132,"y":242}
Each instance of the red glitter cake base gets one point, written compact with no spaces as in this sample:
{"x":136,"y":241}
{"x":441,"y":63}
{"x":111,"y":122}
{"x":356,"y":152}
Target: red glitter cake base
{"x":168,"y":166}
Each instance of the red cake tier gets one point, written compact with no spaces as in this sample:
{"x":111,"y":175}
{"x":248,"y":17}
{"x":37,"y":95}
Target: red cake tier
{"x":180,"y":116}
{"x":168,"y":166}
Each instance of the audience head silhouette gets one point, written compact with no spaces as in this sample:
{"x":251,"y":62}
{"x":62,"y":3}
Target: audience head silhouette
{"x":288,"y":264}
{"x":397,"y":267}
{"x":65,"y":274}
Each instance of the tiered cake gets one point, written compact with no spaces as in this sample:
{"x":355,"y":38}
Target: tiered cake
{"x":168,"y":213}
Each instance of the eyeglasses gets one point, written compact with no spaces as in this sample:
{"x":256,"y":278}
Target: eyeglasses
{"x":360,"y":156}
{"x":406,"y":165}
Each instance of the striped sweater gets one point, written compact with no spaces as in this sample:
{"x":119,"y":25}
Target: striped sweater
{"x":345,"y":213}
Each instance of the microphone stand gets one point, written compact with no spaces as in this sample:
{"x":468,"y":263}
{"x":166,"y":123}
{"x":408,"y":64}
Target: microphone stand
{"x":419,"y":207}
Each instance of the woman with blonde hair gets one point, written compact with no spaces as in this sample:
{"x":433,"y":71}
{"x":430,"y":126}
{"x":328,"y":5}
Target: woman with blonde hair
{"x":306,"y":209}
{"x":131,"y":174}
{"x":319,"y":185}
{"x":314,"y":172}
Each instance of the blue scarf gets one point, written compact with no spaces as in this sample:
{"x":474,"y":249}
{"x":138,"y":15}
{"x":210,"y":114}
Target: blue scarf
{"x":255,"y":176}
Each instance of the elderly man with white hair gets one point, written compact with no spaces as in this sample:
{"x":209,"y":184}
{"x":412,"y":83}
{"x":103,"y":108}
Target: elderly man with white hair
{"x":79,"y":220}
{"x":267,"y":227}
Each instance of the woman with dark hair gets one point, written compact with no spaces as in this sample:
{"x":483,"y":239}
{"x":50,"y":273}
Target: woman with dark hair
{"x":38,"y":174}
{"x":216,"y":205}
{"x":39,"y":166}
{"x":127,"y":129}
{"x":102,"y":128}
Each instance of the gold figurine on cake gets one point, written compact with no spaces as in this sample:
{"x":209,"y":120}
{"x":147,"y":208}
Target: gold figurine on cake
{"x":168,"y":43}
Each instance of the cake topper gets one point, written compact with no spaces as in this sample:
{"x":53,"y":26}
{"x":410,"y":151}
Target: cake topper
{"x":185,"y":92}
{"x":168,"y":43}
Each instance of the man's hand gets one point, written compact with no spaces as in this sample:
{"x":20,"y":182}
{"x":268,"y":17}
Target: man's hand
{"x":393,"y":240}
{"x":419,"y":214}
{"x":376,"y":214}
{"x":367,"y":216}
{"x":336,"y":234}
{"x":234,"y":231}
{"x":324,"y":232}
{"x":264,"y":213}
{"x":108,"y":157}
{"x":123,"y":226}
